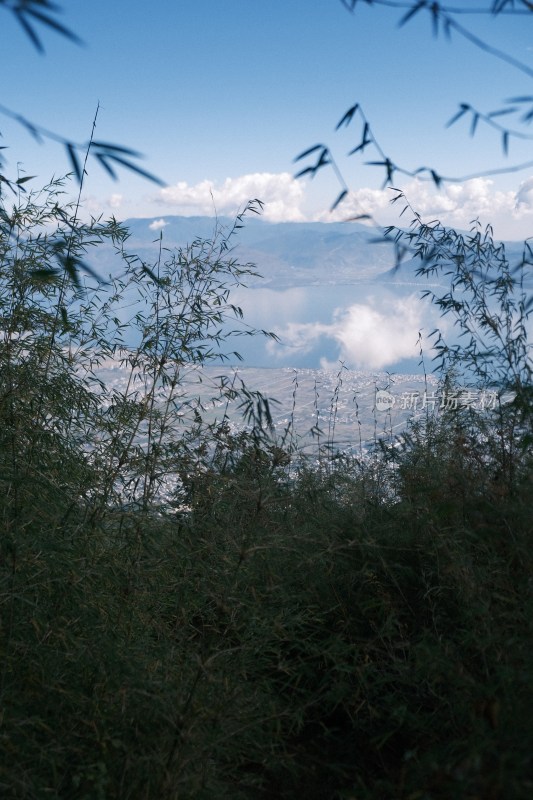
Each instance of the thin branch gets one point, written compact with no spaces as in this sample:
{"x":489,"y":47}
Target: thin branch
{"x":103,"y":152}
{"x":446,"y":15}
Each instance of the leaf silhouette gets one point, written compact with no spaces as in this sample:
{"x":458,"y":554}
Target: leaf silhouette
{"x":339,"y":199}
{"x":347,"y":118}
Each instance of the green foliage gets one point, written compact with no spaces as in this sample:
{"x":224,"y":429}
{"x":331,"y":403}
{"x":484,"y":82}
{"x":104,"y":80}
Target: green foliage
{"x":191,"y":611}
{"x":487,"y":297}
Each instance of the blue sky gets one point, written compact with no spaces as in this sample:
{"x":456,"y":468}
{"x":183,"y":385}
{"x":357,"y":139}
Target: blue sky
{"x":221,"y":95}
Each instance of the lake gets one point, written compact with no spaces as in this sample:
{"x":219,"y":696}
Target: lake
{"x":370,"y":325}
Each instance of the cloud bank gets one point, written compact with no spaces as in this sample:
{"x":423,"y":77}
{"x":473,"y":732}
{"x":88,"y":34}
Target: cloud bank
{"x":282,"y":195}
{"x":455,"y":205}
{"x":290,"y":200}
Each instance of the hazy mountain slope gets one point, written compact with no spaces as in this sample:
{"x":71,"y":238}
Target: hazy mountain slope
{"x":285,"y":254}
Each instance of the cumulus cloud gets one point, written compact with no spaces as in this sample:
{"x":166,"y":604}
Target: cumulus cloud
{"x":281,"y":194}
{"x":455,"y":205}
{"x":300,"y":337}
{"x":289,"y":200}
{"x":158,"y":224}
{"x":524,"y":196}
{"x":371,"y":336}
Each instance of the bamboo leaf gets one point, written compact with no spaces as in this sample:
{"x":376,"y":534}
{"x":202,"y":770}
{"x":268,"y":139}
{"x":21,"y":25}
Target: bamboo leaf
{"x":64,"y":316}
{"x":54,"y":24}
{"x":366,"y":140}
{"x":347,"y":118}
{"x":74,"y":161}
{"x":501,"y":112}
{"x":32,"y":36}
{"x":107,"y":167}
{"x":138,"y":170}
{"x":437,"y":180}
{"x":339,"y":199}
{"x":70,"y":264}
{"x":499,"y":5}
{"x":30,"y":127}
{"x":463,"y":108}
{"x":307,"y":171}
{"x":435,"y":18}
{"x":115,"y":148}
{"x":412,"y":11}
{"x":21,"y":181}
{"x":505,"y":142}
{"x":150,"y":273}
{"x":309,"y":151}
{"x":45,"y":275}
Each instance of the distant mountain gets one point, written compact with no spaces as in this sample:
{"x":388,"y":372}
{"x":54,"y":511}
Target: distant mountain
{"x":286,"y":254}
{"x":329,"y":290}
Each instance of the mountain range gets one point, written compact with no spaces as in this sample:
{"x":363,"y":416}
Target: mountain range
{"x":286,"y":254}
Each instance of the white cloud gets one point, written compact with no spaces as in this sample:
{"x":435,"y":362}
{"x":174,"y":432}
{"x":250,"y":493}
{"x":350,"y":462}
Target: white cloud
{"x":373,"y":339}
{"x":455,"y":205}
{"x":289,"y":200}
{"x":115,"y":201}
{"x":371,"y":336}
{"x":157,"y":224}
{"x":284,"y":197}
{"x":298,"y":336}
{"x":281,"y":194}
{"x":524,"y":196}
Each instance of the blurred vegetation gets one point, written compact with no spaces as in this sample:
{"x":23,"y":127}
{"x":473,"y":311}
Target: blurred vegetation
{"x":188,"y":610}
